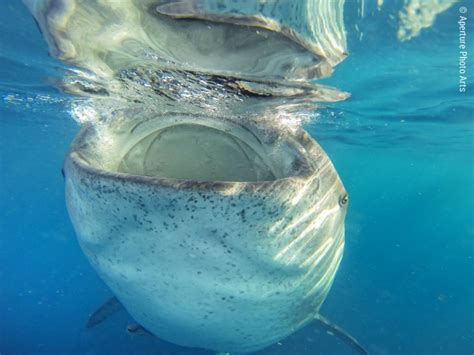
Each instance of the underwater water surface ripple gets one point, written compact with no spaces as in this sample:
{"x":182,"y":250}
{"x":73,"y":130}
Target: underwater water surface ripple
{"x":376,"y":84}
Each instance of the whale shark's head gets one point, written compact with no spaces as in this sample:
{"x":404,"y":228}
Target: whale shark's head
{"x":212,"y":234}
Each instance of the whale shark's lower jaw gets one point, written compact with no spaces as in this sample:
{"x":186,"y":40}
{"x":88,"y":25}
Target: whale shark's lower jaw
{"x":230,"y":246}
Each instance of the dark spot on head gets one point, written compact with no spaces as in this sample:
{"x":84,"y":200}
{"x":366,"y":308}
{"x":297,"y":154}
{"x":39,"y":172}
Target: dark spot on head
{"x":242,"y":215}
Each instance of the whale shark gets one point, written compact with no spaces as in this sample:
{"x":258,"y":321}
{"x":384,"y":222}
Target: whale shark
{"x":214,"y":224}
{"x":229,"y":243}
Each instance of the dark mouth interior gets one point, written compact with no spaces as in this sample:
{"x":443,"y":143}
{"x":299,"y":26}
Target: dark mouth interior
{"x":197,"y":152}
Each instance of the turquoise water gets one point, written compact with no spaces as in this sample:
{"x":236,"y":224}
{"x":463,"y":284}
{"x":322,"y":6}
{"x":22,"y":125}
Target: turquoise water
{"x":403,"y":145}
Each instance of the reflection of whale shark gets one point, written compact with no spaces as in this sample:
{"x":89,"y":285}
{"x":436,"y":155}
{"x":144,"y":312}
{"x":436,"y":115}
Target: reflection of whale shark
{"x":271,"y":42}
{"x":203,"y":262}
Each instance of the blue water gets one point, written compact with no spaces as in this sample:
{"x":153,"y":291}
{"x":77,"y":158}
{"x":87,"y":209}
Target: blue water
{"x":403,"y":145}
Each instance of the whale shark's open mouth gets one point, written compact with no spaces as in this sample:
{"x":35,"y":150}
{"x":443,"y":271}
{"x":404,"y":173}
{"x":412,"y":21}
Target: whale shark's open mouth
{"x":195,"y":148}
{"x":197,"y":152}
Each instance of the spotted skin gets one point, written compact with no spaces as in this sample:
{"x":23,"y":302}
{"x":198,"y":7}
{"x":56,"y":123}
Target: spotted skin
{"x":227,"y":266}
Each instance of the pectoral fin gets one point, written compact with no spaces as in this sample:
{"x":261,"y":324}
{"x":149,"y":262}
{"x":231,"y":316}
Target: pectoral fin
{"x":335,"y":330}
{"x":109,"y":308}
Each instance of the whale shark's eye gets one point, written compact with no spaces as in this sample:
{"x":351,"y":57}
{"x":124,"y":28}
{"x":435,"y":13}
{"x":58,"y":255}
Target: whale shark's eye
{"x":344,"y":200}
